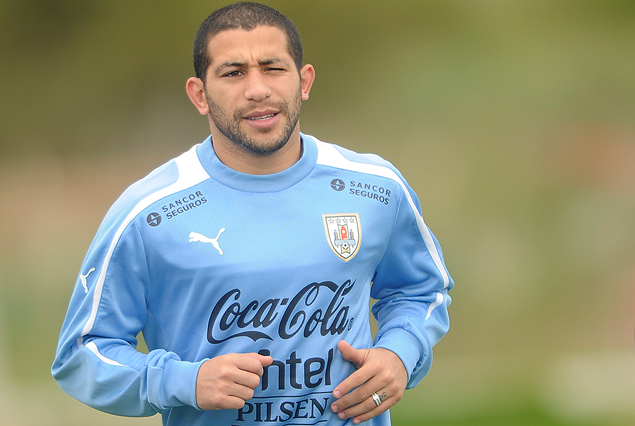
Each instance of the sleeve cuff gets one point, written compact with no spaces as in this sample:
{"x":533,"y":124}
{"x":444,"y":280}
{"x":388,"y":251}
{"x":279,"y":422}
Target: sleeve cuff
{"x":179,"y":383}
{"x":404,"y":345}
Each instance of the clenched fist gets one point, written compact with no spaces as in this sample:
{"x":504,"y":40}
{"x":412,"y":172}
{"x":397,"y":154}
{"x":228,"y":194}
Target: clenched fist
{"x":227,"y":381}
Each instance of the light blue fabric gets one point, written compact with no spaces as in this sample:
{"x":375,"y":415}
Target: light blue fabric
{"x":205,"y":260}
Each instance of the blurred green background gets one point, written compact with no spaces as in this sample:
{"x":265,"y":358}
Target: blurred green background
{"x":513,"y":120}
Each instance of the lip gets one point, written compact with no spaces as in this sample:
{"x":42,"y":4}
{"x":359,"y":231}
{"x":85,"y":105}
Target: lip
{"x":261,"y":113}
{"x":263,"y":124}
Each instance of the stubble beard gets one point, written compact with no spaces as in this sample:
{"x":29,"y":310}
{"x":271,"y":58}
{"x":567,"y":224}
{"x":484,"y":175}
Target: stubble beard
{"x":229,"y":126}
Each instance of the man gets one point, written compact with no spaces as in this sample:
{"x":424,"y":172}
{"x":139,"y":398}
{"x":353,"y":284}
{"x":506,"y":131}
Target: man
{"x":248,"y":262}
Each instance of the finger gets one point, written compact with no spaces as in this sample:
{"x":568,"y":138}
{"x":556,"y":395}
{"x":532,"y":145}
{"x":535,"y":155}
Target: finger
{"x":265,"y":360}
{"x":248,"y":372}
{"x":226,"y":370}
{"x":376,"y":411}
{"x":368,"y":408}
{"x":225,"y":402}
{"x":357,"y":381}
{"x":245,"y":378}
{"x":357,"y":396}
{"x":379,"y":380}
{"x":223,"y":394}
{"x":227,"y":381}
{"x":253,"y":363}
{"x":230,"y":392}
{"x":351,"y":354}
{"x":234,"y":398}
{"x":240,"y":391}
{"x":351,"y":382}
{"x":357,"y":378}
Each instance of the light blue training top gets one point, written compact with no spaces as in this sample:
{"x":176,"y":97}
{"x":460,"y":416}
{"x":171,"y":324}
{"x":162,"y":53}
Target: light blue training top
{"x":205,"y":260}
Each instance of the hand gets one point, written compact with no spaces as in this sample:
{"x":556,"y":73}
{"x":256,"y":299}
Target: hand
{"x":227,"y":381}
{"x":378,"y":371}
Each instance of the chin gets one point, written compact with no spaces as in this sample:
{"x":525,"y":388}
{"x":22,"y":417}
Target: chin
{"x":265,"y":149}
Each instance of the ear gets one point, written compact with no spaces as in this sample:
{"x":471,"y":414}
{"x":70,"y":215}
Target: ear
{"x":196,"y":91}
{"x":307,"y":76}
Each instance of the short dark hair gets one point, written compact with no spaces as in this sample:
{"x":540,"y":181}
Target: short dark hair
{"x":246,"y":16}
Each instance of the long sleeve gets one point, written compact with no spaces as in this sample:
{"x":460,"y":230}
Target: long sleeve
{"x":411,"y":285}
{"x":96,"y":360}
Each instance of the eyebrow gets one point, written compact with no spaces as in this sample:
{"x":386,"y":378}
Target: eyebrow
{"x":239,"y":64}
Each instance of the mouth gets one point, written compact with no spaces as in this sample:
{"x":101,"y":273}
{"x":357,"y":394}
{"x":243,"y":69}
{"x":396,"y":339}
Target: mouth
{"x":263,"y":120}
{"x":262,"y":117}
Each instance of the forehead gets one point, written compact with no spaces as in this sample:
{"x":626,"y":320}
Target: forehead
{"x":238,"y":44}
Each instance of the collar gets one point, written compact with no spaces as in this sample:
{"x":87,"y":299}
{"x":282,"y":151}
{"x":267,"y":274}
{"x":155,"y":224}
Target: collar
{"x":259,"y":183}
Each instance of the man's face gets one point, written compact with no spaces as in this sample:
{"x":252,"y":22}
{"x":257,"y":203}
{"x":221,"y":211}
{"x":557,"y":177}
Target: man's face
{"x":253,"y":89}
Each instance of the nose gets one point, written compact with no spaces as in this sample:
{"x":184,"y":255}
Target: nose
{"x":256,"y":88}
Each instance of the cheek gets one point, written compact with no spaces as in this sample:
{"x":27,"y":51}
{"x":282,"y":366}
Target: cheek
{"x":221,"y":96}
{"x":220,"y":107}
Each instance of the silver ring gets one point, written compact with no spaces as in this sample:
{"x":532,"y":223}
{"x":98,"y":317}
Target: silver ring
{"x":376,"y":398}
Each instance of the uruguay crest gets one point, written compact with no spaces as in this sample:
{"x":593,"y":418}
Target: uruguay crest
{"x":344,"y":234}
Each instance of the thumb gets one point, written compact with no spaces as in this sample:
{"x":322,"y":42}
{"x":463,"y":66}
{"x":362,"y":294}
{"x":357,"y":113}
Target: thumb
{"x":349,"y":353}
{"x":263,"y":357}
{"x":266,"y":361}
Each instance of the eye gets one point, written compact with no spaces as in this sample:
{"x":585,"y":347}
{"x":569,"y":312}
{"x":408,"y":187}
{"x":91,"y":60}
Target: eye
{"x":235,"y":73}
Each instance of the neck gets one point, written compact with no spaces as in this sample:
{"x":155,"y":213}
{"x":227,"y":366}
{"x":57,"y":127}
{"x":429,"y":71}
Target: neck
{"x":244,"y":161}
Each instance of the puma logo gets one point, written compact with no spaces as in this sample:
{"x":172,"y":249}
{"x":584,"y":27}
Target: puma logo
{"x":82,"y":278}
{"x":195,"y":236}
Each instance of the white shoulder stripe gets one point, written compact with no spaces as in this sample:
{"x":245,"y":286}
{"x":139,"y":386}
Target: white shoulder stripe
{"x":191,"y":172}
{"x":330,"y":156}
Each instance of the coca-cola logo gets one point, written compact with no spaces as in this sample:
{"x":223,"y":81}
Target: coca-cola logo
{"x":316,"y":307}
